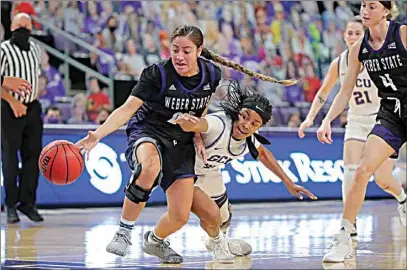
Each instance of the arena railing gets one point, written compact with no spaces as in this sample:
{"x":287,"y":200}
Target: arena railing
{"x":67,"y":59}
{"x":109,"y":80}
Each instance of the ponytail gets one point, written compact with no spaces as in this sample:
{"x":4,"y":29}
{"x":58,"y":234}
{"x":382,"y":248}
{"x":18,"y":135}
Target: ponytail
{"x":227,"y":63}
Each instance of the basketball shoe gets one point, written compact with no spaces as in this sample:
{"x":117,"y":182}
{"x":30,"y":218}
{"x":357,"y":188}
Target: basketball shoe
{"x":120,"y":242}
{"x":341,"y":249}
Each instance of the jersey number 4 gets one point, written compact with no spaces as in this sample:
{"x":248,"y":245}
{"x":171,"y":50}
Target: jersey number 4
{"x":388,"y":82}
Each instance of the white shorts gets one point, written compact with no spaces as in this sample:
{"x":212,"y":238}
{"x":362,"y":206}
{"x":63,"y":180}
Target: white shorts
{"x":211,"y":183}
{"x":359,"y":127}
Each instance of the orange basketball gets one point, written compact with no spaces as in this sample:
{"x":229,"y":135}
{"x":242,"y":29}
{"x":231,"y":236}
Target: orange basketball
{"x":61,"y":162}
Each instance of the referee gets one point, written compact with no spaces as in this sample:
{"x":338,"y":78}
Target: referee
{"x":21,"y":128}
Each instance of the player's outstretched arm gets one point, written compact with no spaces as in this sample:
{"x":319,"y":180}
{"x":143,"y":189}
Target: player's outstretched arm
{"x":118,"y":118}
{"x":321,"y":96}
{"x":268,"y":160}
{"x":342,"y":98}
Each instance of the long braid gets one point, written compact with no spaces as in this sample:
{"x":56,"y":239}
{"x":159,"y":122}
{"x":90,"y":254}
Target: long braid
{"x":194,"y":34}
{"x":225,"y":62}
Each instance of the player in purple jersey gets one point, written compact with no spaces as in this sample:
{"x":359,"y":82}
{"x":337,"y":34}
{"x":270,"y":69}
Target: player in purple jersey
{"x":383,"y":52}
{"x":159,"y":152}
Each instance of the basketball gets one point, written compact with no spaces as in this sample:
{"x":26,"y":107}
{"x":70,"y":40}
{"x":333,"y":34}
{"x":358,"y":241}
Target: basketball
{"x":61,"y":162}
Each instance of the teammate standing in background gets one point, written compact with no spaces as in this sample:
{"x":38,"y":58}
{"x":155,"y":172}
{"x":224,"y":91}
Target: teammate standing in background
{"x":159,"y":152}
{"x":383,"y":52}
{"x":363,"y":108}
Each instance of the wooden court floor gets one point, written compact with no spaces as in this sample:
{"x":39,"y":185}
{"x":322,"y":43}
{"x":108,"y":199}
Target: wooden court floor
{"x":291,"y":235}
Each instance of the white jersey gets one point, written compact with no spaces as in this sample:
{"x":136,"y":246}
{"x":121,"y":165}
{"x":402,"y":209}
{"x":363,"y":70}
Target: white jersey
{"x":365,"y":99}
{"x":221,"y":148}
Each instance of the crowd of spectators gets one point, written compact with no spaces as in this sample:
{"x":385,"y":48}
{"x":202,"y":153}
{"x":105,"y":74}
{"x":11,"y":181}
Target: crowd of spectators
{"x":283,"y":39}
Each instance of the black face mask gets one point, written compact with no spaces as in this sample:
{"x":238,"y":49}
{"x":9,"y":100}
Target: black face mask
{"x":20,"y":37}
{"x":112,"y":28}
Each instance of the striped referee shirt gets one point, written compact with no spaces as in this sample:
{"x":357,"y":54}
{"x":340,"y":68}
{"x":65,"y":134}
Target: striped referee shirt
{"x":23,"y":64}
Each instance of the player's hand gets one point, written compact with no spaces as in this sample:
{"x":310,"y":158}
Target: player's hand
{"x":19,"y":109}
{"x":200,"y":146}
{"x":87,"y":143}
{"x":306,"y":124}
{"x":17,"y":85}
{"x":324,"y":132}
{"x":187,"y":122}
{"x":297,"y":190}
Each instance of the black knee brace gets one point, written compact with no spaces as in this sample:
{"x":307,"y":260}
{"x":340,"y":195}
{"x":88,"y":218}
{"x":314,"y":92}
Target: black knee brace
{"x":134,"y":192}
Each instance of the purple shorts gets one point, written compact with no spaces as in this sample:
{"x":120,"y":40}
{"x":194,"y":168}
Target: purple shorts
{"x":393,"y":135}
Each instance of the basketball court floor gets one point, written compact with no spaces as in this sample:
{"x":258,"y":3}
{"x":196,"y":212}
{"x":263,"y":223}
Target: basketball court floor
{"x":291,"y":235}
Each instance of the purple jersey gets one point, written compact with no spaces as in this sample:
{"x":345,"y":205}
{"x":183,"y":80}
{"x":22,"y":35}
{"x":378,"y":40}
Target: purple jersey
{"x":166,"y":95}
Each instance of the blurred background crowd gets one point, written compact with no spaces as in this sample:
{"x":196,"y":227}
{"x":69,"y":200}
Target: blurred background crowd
{"x":283,"y":39}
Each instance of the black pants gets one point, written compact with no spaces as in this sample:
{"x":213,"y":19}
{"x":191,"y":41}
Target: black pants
{"x":22,"y":134}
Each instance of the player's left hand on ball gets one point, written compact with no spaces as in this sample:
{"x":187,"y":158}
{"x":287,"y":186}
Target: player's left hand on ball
{"x":87,"y":143}
{"x":324,"y":132}
{"x":297,"y":191}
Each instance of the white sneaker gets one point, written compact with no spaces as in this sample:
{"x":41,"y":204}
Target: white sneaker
{"x":402,"y":213}
{"x":237,"y":247}
{"x":341,"y":249}
{"x":221,"y":252}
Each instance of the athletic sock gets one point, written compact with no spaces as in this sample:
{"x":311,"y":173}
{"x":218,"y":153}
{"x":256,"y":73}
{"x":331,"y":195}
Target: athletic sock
{"x":126,"y":224}
{"x":153,"y":238}
{"x":218,"y":238}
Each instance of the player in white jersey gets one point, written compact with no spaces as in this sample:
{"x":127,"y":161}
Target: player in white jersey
{"x":363,"y":108}
{"x":227,"y":135}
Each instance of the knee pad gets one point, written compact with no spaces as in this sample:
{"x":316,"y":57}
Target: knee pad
{"x":134,"y":192}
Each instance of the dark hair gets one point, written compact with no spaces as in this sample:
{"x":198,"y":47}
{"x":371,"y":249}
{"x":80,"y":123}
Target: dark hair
{"x":52,"y":108}
{"x":236,"y":96}
{"x":103,"y":108}
{"x":194,"y":34}
{"x":391,"y":6}
{"x":386,"y":4}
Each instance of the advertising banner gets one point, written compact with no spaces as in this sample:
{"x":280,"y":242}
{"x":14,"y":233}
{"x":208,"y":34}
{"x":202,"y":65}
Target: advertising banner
{"x":307,"y":162}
